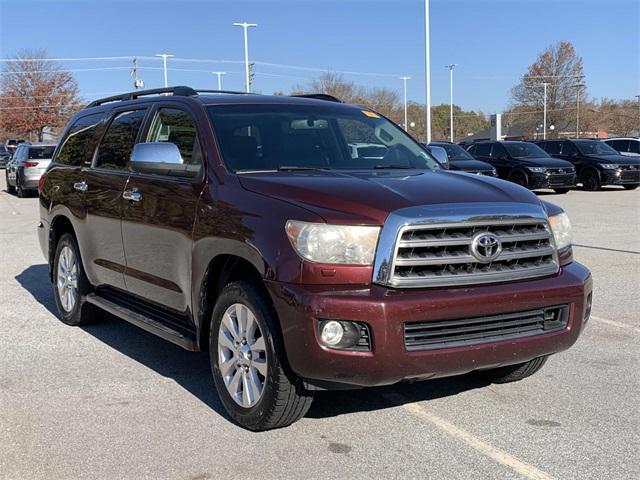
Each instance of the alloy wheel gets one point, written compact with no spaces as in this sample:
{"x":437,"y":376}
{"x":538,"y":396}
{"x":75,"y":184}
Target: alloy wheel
{"x":242,"y":355}
{"x":67,"y":279}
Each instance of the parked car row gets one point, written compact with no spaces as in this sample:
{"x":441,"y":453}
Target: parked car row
{"x":29,"y":162}
{"x":556,"y":164}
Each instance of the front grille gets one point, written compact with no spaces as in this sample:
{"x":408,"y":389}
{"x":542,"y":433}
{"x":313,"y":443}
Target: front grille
{"x":557,"y":179}
{"x":471,"y":331}
{"x":629,"y":173}
{"x":441,"y":254}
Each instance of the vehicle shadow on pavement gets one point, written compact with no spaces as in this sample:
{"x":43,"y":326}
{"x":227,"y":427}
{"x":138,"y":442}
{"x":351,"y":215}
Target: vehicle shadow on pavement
{"x":332,"y":404}
{"x":192,"y":372}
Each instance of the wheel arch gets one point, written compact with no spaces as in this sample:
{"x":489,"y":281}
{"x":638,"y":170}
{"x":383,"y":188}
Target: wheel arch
{"x":60,"y":225}
{"x":221,"y":270}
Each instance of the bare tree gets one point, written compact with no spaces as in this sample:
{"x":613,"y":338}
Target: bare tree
{"x":560,"y":68}
{"x":35,"y":94}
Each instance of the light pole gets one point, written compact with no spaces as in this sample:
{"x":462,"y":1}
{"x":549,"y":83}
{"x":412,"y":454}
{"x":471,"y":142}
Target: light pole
{"x":404,"y":82}
{"x":427,"y":67}
{"x":164,"y":57}
{"x":219,"y":74}
{"x":579,"y":86}
{"x":245,"y":26}
{"x":451,"y":67}
{"x":544,"y":121}
{"x":638,"y":97}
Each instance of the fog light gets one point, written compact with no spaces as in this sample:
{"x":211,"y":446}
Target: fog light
{"x":331,"y":333}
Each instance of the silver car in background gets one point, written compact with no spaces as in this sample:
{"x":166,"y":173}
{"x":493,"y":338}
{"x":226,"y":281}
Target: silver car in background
{"x":29,"y":162}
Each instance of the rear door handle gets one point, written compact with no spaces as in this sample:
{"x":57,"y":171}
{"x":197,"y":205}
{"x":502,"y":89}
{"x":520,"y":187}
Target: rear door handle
{"x":132,"y":195}
{"x":81,"y":186}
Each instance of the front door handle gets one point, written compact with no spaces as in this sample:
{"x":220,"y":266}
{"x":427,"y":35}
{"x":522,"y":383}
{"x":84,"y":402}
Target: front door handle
{"x":132,"y":195}
{"x":81,"y":186}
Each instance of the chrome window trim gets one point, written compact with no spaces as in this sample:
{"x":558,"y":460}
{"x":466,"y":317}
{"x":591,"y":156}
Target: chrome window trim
{"x":451,"y":214}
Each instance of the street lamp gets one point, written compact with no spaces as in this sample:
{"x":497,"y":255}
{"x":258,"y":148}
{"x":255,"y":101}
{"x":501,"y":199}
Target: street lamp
{"x":219,"y":74}
{"x":404,"y":82}
{"x":164,"y":57}
{"x":451,"y":67}
{"x":579,"y":86}
{"x":245,"y":26}
{"x":427,"y":64}
{"x":544,"y":121}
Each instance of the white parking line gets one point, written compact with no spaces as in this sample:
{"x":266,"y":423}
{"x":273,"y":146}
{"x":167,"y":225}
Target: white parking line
{"x":613,"y":323}
{"x":500,"y":456}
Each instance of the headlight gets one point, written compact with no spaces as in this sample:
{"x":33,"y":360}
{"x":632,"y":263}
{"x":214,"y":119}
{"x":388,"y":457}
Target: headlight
{"x":561,"y":228}
{"x":609,"y":166}
{"x":494,"y":172}
{"x":322,"y":243}
{"x":537,"y":169}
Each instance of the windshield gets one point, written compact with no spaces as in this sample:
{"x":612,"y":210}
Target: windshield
{"x":455,"y":152}
{"x":41,"y":153}
{"x":299,"y":137}
{"x":594,"y":147}
{"x":525,"y":150}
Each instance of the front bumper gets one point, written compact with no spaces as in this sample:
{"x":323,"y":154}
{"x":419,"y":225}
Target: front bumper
{"x":542,"y":180}
{"x":621,"y":177}
{"x":386,"y":310}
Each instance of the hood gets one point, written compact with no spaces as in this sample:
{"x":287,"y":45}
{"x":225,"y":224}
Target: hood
{"x":469,"y":165}
{"x":544,"y":162}
{"x":367,"y":197}
{"x":619,"y":159}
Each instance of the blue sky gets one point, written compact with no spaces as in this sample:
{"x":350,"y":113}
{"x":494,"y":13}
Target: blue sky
{"x":493,"y":42}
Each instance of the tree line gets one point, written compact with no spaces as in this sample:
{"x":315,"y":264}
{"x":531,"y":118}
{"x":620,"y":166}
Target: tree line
{"x":37,"y":94}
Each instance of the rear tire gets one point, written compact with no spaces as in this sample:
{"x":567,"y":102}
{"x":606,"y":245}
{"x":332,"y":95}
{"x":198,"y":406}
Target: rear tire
{"x":19,"y":190}
{"x":277,"y":396}
{"x":70,"y":284}
{"x":561,"y":191}
{"x":513,"y":373}
{"x":10,"y":189}
{"x":519,"y":178}
{"x":591,"y":181}
{"x":630,"y":187}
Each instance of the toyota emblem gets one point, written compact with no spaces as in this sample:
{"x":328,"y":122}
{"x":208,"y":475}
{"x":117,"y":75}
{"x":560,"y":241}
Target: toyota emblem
{"x":486,"y":247}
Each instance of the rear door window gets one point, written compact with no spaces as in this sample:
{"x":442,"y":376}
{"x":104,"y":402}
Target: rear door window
{"x":117,"y":144}
{"x":80,"y":142}
{"x":634,"y":146}
{"x":483,"y":150}
{"x":568,"y":149}
{"x":498,"y":151}
{"x":553,"y":148}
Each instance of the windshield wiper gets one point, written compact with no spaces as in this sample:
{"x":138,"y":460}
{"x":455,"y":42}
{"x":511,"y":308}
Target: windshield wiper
{"x":391,"y":166}
{"x":296,"y":168}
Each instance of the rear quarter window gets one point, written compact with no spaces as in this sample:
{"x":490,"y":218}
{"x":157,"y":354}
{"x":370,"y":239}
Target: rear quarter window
{"x":80,"y":142}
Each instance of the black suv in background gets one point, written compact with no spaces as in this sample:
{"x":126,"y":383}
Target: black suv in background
{"x":596,"y":162}
{"x":526,"y":164}
{"x":461,"y":160}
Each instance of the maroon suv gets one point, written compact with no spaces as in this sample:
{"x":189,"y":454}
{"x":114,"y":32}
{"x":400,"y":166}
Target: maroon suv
{"x":306,"y":243}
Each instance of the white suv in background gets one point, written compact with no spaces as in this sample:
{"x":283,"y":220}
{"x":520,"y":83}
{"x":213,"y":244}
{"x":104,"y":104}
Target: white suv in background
{"x":625,"y":146}
{"x":29,"y":162}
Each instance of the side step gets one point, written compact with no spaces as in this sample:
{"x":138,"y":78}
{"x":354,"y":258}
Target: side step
{"x":145,"y":322}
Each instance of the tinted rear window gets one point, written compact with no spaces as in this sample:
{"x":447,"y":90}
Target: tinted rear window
{"x":80,"y":142}
{"x":117,"y":144}
{"x":482,"y":149}
{"x":41,"y":153}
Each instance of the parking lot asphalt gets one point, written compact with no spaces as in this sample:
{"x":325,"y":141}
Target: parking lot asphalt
{"x":112,"y":401}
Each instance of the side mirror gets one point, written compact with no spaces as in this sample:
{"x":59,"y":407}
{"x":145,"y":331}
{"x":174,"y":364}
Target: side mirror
{"x":440,"y":154}
{"x":161,"y":158}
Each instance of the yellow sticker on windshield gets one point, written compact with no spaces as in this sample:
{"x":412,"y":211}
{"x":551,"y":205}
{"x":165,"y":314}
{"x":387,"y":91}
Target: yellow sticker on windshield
{"x":370,"y":114}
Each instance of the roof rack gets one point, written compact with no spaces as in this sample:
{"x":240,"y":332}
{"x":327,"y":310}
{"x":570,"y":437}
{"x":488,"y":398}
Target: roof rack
{"x":319,"y":96}
{"x":180,"y":91}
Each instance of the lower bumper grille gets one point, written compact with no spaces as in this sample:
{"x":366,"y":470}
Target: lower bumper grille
{"x":471,"y":331}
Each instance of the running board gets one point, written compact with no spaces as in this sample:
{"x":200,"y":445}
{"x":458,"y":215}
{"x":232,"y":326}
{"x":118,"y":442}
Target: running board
{"x":145,"y":322}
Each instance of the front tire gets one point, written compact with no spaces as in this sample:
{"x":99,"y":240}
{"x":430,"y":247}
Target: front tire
{"x":248,"y":361}
{"x":630,"y":187}
{"x":513,"y":373}
{"x":591,"y":181}
{"x":519,"y":178}
{"x":70,"y":284}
